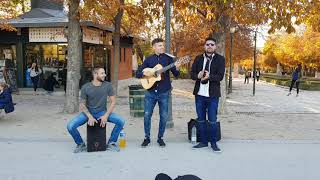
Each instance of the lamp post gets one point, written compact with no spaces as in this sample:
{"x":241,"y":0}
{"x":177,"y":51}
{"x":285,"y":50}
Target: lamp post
{"x":170,"y":123}
{"x":232,"y":31}
{"x":254,"y":62}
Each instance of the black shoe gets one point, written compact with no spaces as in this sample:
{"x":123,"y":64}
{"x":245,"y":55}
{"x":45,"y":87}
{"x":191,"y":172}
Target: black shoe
{"x":145,"y":142}
{"x":161,"y":142}
{"x":215,"y":148}
{"x":200,"y":145}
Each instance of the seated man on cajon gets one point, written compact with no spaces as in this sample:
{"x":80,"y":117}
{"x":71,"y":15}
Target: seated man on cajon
{"x":93,"y":107}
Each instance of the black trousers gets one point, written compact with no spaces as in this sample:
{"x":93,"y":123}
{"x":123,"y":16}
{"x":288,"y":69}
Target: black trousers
{"x":246,"y":80}
{"x":297,"y":85}
{"x":35,"y":81}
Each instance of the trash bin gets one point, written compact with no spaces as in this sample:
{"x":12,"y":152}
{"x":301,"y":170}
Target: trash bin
{"x":136,"y":100}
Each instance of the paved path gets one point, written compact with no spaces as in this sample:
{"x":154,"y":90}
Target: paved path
{"x":247,"y":160}
{"x":268,"y":136}
{"x":271,"y":114}
{"x":270,"y":98}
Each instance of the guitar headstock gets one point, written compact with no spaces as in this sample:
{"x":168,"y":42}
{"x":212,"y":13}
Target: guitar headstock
{"x":184,"y":59}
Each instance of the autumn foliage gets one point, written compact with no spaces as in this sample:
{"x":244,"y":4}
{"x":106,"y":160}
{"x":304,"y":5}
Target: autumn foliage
{"x":293,"y":49}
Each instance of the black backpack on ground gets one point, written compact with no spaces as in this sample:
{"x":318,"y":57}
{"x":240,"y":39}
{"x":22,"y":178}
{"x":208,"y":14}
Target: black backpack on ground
{"x":163,"y":176}
{"x":194,"y":122}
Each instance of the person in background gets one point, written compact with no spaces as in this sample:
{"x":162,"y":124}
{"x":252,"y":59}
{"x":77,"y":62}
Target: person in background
{"x":49,"y":83}
{"x":296,"y":76}
{"x":246,"y":76}
{"x":257,"y":74}
{"x":6,"y":102}
{"x":35,"y":72}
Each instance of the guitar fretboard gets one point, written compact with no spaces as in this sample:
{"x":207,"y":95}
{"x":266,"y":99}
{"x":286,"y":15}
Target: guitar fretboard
{"x":165,"y":68}
{"x":182,"y":60}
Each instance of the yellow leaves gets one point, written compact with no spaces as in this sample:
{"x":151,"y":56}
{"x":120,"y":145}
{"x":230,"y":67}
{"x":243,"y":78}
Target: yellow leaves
{"x":248,"y":63}
{"x":291,"y":49}
{"x":9,"y":9}
{"x":100,"y":11}
{"x":210,"y":16}
{"x":6,"y":26}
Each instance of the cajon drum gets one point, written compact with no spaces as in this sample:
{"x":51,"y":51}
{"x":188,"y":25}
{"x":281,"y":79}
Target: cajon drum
{"x":96,"y":138}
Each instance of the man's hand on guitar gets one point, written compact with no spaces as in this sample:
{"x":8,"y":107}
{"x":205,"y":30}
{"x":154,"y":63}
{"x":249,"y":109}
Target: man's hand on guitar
{"x":177,"y":64}
{"x":148,"y":73}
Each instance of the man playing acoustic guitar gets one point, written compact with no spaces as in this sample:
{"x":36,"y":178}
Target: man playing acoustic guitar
{"x":159,"y":92}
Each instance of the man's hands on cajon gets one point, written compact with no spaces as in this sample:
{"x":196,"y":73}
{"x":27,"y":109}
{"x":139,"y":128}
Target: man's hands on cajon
{"x":103,"y":120}
{"x":91,"y":121}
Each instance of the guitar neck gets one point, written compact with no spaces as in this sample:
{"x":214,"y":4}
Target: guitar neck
{"x":165,"y":68}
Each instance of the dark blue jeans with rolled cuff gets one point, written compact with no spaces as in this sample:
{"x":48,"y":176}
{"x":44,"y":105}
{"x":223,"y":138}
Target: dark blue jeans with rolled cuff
{"x":150,"y":100}
{"x":82,"y":118}
{"x":204,"y":106}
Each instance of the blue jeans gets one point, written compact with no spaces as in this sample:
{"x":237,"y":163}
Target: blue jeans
{"x":204,"y":105}
{"x":150,"y":100}
{"x":82,"y":118}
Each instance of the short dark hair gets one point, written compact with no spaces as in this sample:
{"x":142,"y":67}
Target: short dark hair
{"x":95,"y":70}
{"x":156,"y":40}
{"x":211,"y":39}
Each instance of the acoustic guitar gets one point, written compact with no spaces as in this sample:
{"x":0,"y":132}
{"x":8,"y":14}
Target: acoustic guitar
{"x":148,"y":81}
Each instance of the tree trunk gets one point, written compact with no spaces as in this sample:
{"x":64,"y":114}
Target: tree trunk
{"x":117,"y":50}
{"x":279,"y":69}
{"x":221,"y":49}
{"x":236,"y":70}
{"x":140,"y":52}
{"x":74,"y":58}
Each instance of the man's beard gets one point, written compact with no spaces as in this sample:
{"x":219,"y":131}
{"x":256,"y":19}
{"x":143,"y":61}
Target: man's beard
{"x":208,"y":52}
{"x":100,"y":79}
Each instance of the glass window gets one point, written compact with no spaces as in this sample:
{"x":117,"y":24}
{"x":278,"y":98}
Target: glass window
{"x":8,"y":64}
{"x":8,"y":54}
{"x":51,"y":59}
{"x":93,"y":56}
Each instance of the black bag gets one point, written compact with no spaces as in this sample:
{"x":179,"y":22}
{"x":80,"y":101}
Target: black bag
{"x":96,"y":138}
{"x":194,"y":122}
{"x":218,"y":137}
{"x":163,"y":176}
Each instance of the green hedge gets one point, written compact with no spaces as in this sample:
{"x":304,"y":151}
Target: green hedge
{"x":313,"y":85}
{"x":184,"y":74}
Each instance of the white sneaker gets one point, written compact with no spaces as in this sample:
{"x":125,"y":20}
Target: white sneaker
{"x":289,"y":94}
{"x":113,"y":147}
